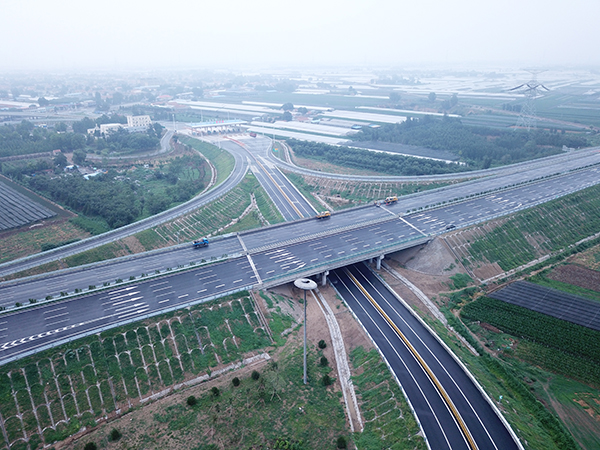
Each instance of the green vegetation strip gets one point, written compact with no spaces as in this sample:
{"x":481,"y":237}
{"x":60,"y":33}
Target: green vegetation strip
{"x":552,"y":226}
{"x":389,"y":422}
{"x":223,"y":161}
{"x":384,"y":163}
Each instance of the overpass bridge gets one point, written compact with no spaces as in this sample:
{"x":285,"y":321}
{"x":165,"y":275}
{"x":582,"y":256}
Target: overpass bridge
{"x":256,"y":259}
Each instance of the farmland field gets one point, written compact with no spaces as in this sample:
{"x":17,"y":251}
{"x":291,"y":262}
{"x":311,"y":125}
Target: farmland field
{"x":552,"y":302}
{"x":571,"y":349}
{"x":17,"y":210}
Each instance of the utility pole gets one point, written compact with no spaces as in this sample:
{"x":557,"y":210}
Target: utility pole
{"x":306,"y":285}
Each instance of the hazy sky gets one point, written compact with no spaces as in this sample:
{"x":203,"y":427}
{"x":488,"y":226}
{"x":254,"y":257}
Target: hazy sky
{"x":113,"y":34}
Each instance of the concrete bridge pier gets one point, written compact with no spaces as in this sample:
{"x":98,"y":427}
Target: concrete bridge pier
{"x":324,"y":278}
{"x":379,"y":259}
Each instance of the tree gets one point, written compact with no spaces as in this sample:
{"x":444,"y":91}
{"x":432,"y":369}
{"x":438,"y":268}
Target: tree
{"x":287,"y":116}
{"x":236,"y":381}
{"x":42,"y":101}
{"x":60,"y":160}
{"x":115,"y":434}
{"x":287,"y":106}
{"x":61,"y":127}
{"x":117,"y":98}
{"x":432,"y":97}
{"x":394,"y":97}
{"x":191,"y":400}
{"x":302,"y":110}
{"x":322,"y":344}
{"x":79,"y":156}
{"x":255,"y":375}
{"x":198,"y":92}
{"x":341,"y":442}
{"x":83,"y":125}
{"x":454,"y":100}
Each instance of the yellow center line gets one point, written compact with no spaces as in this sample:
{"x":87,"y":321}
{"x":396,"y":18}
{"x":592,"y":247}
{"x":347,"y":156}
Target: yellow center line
{"x":421,"y":361}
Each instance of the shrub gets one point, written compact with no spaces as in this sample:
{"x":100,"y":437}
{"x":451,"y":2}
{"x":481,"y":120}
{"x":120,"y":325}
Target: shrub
{"x":236,"y":381}
{"x":255,"y":375}
{"x":324,"y":361}
{"x":322,"y":344}
{"x":326,"y":380}
{"x":191,"y":400}
{"x":90,"y":446}
{"x":115,"y":434}
{"x":341,"y":442}
{"x":215,"y":391}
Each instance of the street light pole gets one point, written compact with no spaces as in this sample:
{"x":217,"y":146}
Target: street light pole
{"x":306,"y":285}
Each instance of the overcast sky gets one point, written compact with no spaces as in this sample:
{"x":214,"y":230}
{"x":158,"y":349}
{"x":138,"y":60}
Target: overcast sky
{"x":115,"y":34}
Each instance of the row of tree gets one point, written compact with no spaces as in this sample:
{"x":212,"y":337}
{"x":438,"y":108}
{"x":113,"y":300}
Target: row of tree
{"x":384,"y":163}
{"x":25,"y":138}
{"x":478,"y":146}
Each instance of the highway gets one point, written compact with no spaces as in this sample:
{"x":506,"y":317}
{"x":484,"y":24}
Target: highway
{"x":275,"y":255}
{"x":238,"y":173}
{"x":452,"y":411}
{"x":384,"y":229}
{"x":289,"y":201}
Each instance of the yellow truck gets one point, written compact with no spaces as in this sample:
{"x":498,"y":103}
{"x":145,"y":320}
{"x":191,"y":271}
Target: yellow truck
{"x":323,"y":215}
{"x":391,"y":199}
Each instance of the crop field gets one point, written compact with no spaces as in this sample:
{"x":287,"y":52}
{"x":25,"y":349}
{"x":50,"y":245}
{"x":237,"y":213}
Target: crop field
{"x":570,"y":349}
{"x":49,"y":396}
{"x":518,"y":239}
{"x":577,"y":275}
{"x":17,"y":210}
{"x":552,"y":302}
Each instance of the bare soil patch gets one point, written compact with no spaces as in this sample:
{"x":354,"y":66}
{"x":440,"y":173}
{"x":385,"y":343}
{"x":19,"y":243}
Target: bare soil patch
{"x":577,"y":275}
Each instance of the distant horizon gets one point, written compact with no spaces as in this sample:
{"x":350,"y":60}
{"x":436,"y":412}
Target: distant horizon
{"x":69,"y":35}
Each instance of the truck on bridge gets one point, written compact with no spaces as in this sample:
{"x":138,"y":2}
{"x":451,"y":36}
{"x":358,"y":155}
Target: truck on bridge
{"x":200,"y":243}
{"x":323,"y":215}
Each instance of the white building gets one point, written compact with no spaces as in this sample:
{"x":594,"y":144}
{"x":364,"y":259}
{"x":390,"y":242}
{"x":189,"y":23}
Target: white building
{"x":138,"y":121}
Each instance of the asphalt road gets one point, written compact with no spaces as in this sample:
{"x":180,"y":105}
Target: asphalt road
{"x":239,"y":171}
{"x":289,"y":201}
{"x":269,"y":256}
{"x":375,"y":230}
{"x":437,"y":421}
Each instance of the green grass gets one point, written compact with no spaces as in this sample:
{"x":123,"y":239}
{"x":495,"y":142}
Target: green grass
{"x":389,"y":422}
{"x":221,"y":159}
